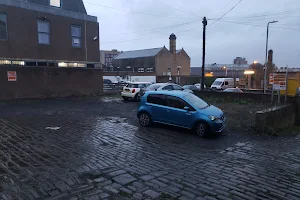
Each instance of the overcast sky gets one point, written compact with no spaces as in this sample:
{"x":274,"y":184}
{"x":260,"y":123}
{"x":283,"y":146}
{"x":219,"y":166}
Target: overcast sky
{"x":152,"y":21}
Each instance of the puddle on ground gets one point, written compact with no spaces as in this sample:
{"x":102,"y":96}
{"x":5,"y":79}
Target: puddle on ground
{"x":110,"y":99}
{"x":55,"y":128}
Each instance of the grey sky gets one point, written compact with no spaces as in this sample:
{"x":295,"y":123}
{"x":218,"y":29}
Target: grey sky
{"x":129,"y":31}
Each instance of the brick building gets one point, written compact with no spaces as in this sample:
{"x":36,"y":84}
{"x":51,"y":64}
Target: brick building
{"x":106,"y":58}
{"x":240,"y":61}
{"x":161,"y":61}
{"x":48,"y":33}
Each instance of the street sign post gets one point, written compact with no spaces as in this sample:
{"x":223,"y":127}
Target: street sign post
{"x":278,"y":82}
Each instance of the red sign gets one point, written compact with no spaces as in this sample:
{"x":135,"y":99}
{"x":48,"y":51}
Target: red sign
{"x":271,"y":79}
{"x":11,"y":75}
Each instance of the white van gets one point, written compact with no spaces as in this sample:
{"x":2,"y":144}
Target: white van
{"x":222,"y":83}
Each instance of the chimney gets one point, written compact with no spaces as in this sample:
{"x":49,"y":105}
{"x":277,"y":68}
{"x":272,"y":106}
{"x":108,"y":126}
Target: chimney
{"x":270,"y":57}
{"x":173,"y":44}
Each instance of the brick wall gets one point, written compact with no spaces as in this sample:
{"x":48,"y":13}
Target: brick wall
{"x":164,"y":60}
{"x":42,"y":82}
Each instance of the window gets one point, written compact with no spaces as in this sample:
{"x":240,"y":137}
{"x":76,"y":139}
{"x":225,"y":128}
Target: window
{"x":175,"y":102}
{"x":156,"y":99}
{"x":141,"y":70}
{"x":76,"y":36}
{"x":55,"y":3}
{"x":196,"y":101}
{"x":44,"y":32}
{"x":137,"y":85}
{"x":177,"y":87}
{"x":3,"y":26}
{"x":149,"y":69}
{"x":168,"y":87}
{"x":226,"y":82}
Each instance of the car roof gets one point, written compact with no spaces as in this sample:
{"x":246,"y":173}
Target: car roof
{"x":139,"y":82}
{"x":171,"y":93}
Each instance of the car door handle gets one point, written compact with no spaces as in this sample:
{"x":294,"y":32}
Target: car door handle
{"x":168,"y":110}
{"x":188,"y":113}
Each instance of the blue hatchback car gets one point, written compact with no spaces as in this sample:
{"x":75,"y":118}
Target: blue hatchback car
{"x":180,"y":109}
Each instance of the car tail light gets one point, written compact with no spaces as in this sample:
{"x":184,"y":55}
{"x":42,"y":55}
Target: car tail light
{"x":133,"y":91}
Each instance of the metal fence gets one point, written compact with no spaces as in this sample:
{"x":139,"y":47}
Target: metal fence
{"x":113,"y":87}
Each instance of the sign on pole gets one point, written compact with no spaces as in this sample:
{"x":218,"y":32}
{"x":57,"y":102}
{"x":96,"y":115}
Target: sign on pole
{"x":271,"y":79}
{"x":279,"y":82}
{"x":11,"y":75}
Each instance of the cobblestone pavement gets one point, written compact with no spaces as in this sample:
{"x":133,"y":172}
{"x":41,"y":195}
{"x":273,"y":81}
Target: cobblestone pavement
{"x":100,"y":152}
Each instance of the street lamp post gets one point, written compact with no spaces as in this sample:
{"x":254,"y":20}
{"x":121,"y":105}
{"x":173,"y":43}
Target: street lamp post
{"x":225,"y":70}
{"x":265,"y":68}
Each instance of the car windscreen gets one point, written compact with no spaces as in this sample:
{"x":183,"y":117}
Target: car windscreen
{"x":196,"y":101}
{"x":186,"y":87}
{"x":137,"y":85}
{"x":217,"y":83}
{"x":154,"y":87}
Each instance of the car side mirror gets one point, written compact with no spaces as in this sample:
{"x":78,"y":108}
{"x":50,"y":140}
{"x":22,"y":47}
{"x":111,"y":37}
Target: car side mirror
{"x":186,"y":108}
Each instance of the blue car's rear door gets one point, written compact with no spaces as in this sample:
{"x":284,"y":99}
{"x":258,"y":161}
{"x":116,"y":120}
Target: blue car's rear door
{"x":156,"y":104}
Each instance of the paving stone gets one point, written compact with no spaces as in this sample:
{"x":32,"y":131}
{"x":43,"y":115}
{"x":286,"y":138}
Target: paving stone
{"x":188,"y":194}
{"x":116,"y":173}
{"x":100,"y":179}
{"x":125,"y":190}
{"x":151,"y":193}
{"x":146,"y":177}
{"x":124,"y":179}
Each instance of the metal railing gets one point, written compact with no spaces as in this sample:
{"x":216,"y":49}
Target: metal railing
{"x":113,"y":87}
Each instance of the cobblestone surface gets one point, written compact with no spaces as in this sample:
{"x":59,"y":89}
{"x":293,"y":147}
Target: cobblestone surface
{"x":100,"y":152}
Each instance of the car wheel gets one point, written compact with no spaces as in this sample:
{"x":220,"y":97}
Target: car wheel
{"x":202,"y":129}
{"x":145,"y":119}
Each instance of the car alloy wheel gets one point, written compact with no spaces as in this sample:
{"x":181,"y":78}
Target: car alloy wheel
{"x":201,"y":129}
{"x":144,"y":119}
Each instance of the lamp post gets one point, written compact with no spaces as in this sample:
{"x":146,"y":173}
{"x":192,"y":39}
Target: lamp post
{"x":225,"y":70}
{"x":265,"y":68}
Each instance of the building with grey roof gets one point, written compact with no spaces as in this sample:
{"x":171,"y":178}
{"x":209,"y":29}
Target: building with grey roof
{"x":162,"y":61}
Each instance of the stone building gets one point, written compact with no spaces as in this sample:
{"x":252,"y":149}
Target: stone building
{"x":161,"y":61}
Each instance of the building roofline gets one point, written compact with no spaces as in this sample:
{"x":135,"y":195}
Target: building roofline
{"x":49,"y":9}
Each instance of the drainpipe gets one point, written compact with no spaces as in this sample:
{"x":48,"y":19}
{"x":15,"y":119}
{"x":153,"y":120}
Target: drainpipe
{"x":86,"y":49}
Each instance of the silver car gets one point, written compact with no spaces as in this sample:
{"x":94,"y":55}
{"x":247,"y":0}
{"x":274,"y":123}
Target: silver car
{"x":163,"y":86}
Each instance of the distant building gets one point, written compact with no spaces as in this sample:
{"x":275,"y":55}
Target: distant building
{"x":219,"y":70}
{"x":106,"y":58}
{"x":56,"y":33}
{"x":161,"y":61}
{"x":240,"y":61}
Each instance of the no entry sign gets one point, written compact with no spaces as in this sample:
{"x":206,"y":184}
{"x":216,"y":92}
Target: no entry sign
{"x":11,"y":75}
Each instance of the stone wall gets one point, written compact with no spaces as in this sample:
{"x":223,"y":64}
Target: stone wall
{"x":229,"y":96}
{"x":43,"y":82}
{"x":276,"y":118}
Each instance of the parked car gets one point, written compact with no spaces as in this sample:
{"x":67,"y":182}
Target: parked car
{"x":222,"y":83}
{"x":182,"y":109}
{"x":191,"y":87}
{"x":107,"y":81}
{"x":131,"y":90}
{"x":164,"y":86}
{"x":237,"y":90}
{"x":198,"y":85}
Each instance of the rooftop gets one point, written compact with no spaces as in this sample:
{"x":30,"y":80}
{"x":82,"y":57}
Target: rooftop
{"x":143,"y":53}
{"x":139,"y":53}
{"x":48,"y":9}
